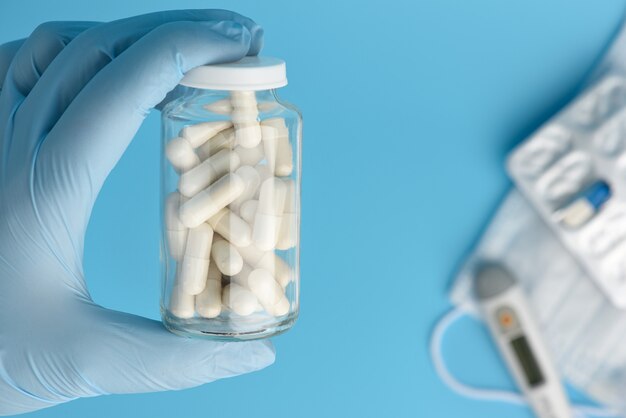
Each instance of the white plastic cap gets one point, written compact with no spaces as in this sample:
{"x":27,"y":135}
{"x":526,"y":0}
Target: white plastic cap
{"x":249,"y":73}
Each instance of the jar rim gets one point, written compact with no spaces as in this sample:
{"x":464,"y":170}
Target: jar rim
{"x":249,"y":73}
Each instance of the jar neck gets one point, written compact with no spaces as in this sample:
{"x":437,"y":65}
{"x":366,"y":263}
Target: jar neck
{"x":262,"y":95}
{"x":266,"y":95}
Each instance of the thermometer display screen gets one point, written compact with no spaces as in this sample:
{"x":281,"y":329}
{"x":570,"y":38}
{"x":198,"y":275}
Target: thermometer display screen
{"x":527,"y":361}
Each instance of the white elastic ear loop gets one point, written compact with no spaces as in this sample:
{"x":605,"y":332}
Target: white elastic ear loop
{"x":496,"y":395}
{"x":436,"y":342}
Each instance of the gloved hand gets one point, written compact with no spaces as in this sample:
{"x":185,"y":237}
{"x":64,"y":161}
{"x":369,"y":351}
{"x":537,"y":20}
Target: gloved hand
{"x":73,"y":96}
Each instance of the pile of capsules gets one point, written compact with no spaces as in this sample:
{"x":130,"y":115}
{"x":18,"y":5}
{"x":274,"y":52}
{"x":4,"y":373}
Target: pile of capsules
{"x":235,"y":204}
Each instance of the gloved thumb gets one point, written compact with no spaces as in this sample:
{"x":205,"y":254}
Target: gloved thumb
{"x":125,"y":353}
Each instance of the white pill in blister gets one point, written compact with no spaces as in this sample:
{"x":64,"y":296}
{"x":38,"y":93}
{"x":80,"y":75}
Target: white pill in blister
{"x":565,"y":178}
{"x":609,"y":143}
{"x":269,"y":213}
{"x":208,"y":202}
{"x":269,"y":293}
{"x":250,"y":156}
{"x":288,"y":235}
{"x":597,"y":103}
{"x":239,"y":299}
{"x":267,"y":260}
{"x":601,"y":237}
{"x":232,"y":227}
{"x":226,"y":256}
{"x":585,"y":111}
{"x":209,"y":301}
{"x":252,"y":179}
{"x":222,"y":140}
{"x":248,"y":210}
{"x":533,"y":158}
{"x":200,"y":133}
{"x":181,"y":155}
{"x":202,"y":175}
{"x":195,"y":264}
{"x":222,"y":107}
{"x":175,"y":231}
{"x":277,"y":147}
{"x":613,"y":270}
{"x":609,"y":139}
{"x":611,"y":97}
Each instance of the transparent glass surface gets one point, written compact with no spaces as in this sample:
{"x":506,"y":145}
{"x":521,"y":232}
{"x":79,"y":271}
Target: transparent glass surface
{"x":230,"y":188}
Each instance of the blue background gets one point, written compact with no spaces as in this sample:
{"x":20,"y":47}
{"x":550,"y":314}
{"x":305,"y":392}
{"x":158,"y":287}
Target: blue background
{"x":410,"y":108}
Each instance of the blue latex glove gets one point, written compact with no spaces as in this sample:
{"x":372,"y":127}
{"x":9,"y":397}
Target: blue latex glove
{"x":73,"y":96}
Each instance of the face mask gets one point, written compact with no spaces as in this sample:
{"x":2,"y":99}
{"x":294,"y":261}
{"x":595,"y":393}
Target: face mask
{"x":547,"y":248}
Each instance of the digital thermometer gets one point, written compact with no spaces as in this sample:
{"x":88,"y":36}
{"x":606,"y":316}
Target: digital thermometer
{"x":508,"y":317}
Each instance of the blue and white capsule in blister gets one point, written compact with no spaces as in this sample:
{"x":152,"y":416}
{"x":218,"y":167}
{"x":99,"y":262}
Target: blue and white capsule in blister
{"x":585,"y":205}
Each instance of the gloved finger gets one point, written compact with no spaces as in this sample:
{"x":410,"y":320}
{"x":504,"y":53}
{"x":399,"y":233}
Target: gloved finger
{"x":85,"y":57}
{"x":7,"y":52}
{"x":39,"y":50}
{"x":92,"y":134}
{"x":30,"y":61}
{"x":124,"y":353}
{"x":172,"y":95}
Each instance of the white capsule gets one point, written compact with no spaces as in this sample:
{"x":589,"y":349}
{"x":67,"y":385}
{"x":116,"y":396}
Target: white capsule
{"x":269,"y":135}
{"x":288,"y":235}
{"x":200,"y":133}
{"x":264,"y":174}
{"x":277,"y":146}
{"x":222,"y":140}
{"x":231,"y":227}
{"x":175,"y":231}
{"x":201,"y":176}
{"x":208,"y":202}
{"x":222,"y":107}
{"x":252,"y":179}
{"x":248,"y":210}
{"x":247,"y":128}
{"x":195,"y":264}
{"x":181,"y":304}
{"x":267,"y":260}
{"x":239,"y":299}
{"x":269,"y":213}
{"x":243,"y":99}
{"x":269,"y":293}
{"x":226,"y":256}
{"x":250,"y":156}
{"x":241,"y":278}
{"x":181,"y":155}
{"x":248,"y":135}
{"x":243,"y":115}
{"x":209,"y":302}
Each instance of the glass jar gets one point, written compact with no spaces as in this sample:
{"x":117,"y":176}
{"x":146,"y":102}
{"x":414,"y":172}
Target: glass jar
{"x":230,"y":186}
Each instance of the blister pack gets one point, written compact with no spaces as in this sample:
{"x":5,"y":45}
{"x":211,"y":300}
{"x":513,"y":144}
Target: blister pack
{"x":573,"y":171}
